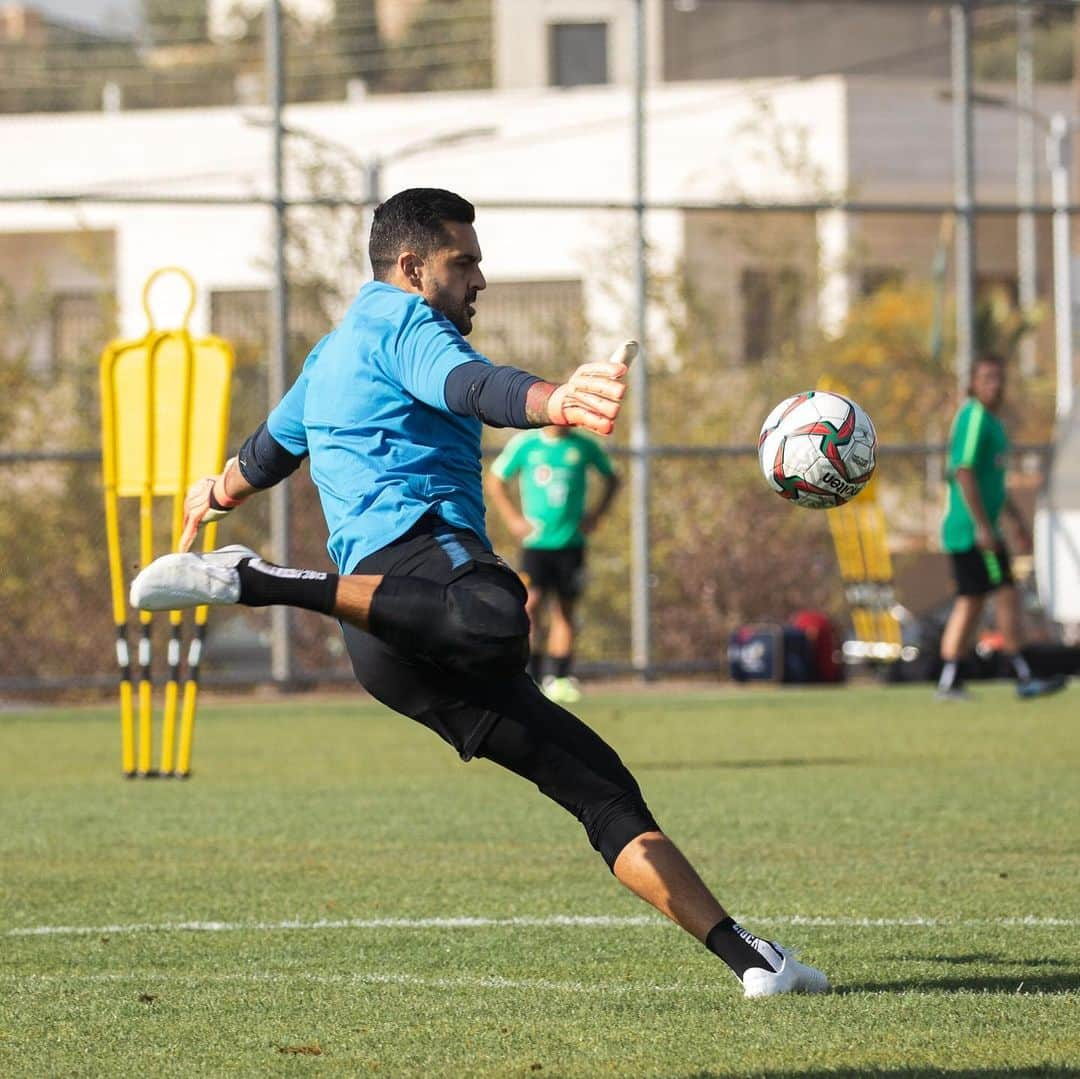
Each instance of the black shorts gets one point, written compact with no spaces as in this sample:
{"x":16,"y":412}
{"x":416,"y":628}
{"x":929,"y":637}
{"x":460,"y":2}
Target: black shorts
{"x":978,"y":572}
{"x":411,"y":684}
{"x":560,"y":570}
{"x":504,"y":718}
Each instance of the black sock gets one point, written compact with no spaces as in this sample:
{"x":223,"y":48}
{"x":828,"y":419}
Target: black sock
{"x":536,"y":666}
{"x":262,"y":584}
{"x":740,"y":949}
{"x":562,"y":665}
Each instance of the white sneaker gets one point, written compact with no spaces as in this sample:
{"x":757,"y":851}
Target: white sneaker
{"x":792,"y":977}
{"x":562,"y":690}
{"x":174,"y":582}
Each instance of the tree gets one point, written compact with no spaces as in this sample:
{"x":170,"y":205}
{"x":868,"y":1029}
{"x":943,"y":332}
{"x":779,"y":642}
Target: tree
{"x":175,"y":22}
{"x":52,"y":530}
{"x":994,"y":51}
{"x":353,"y":34}
{"x":448,"y":47}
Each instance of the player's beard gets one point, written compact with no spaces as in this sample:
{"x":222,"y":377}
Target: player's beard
{"x":459,"y":312}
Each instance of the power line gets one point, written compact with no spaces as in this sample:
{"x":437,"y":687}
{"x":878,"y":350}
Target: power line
{"x":417,"y":57}
{"x":682,"y":107}
{"x":690,"y":206}
{"x":376,"y":60}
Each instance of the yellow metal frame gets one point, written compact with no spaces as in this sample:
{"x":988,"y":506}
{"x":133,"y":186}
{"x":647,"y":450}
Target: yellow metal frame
{"x":164,"y":421}
{"x":859,"y":536}
{"x":862,"y":551}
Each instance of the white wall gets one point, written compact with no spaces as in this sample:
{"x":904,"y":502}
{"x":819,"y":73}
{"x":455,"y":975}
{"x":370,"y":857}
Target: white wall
{"x":900,"y":136}
{"x":559,"y":145}
{"x":224,"y":23}
{"x":762,"y":141}
{"x":394,"y":16}
{"x":521,"y":38}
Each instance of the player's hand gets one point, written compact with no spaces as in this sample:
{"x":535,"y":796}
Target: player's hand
{"x":1023,"y":537}
{"x":198,"y":509}
{"x":593,"y":394}
{"x":520,"y":528}
{"x":985,"y":539}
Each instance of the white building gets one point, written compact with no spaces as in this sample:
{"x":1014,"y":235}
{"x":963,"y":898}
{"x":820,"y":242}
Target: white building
{"x":225,"y":18}
{"x":592,"y":42}
{"x":765,"y":141}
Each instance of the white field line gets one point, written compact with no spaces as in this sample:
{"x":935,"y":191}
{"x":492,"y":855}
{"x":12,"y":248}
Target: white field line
{"x":490,"y":981}
{"x":23,"y":983}
{"x":576,"y":921}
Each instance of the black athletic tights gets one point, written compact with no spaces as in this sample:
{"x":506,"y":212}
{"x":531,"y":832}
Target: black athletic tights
{"x":504,"y":718}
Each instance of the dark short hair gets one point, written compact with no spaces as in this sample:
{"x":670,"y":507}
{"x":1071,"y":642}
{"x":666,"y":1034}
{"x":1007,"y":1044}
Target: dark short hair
{"x":412,"y":220}
{"x":985,"y":359}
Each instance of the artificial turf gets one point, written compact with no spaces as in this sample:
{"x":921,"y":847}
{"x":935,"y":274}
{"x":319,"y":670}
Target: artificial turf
{"x":279,"y":913}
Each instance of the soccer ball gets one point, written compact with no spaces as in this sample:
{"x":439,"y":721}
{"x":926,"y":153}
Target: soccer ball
{"x":817,"y":449}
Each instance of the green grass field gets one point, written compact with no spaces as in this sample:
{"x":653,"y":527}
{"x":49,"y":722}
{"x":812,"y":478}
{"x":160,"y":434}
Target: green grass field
{"x":273,"y":916}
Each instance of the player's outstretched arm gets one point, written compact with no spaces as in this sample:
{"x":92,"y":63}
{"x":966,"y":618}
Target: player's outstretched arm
{"x":262,"y":462}
{"x":591,"y":397}
{"x":505,"y":396}
{"x":210,"y":498}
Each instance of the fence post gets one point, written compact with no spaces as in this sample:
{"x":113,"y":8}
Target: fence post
{"x":963,"y":166}
{"x":963,"y":192}
{"x":1060,"y":152}
{"x":277,"y":368}
{"x":640,"y":567}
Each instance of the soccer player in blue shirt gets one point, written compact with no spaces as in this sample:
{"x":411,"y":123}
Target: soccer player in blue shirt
{"x":388,"y":410}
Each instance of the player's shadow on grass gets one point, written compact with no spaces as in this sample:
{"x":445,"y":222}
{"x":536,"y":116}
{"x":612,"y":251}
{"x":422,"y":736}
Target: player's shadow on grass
{"x":774,"y":762}
{"x":981,"y":959}
{"x":1025,"y":984}
{"x":1048,"y":974}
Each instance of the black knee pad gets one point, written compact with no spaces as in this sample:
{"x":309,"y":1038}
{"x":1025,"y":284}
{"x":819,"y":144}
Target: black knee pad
{"x":474,"y":625}
{"x":486,"y":614}
{"x":612,"y":826}
{"x":573,"y":766}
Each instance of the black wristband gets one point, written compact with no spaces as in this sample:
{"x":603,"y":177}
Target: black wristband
{"x":215,"y":504}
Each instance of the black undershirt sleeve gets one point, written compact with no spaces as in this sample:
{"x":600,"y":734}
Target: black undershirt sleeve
{"x":264,"y":461}
{"x":494,"y":394}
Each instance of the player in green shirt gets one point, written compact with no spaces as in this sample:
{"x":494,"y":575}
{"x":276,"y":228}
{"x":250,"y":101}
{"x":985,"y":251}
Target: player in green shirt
{"x":970,"y":532}
{"x":553,"y":465}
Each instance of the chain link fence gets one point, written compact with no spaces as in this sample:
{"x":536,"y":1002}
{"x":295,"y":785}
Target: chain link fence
{"x":725,"y":552}
{"x":746,"y":302}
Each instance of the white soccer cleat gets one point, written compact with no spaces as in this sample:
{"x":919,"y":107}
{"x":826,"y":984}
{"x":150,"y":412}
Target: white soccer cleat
{"x":792,"y":977}
{"x":174,"y":582}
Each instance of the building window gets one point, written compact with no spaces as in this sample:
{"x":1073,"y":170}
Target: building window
{"x":771,"y":298}
{"x":242,"y":317}
{"x":874,"y":278}
{"x":539,"y":325}
{"x":578,"y":53}
{"x":79,"y":330}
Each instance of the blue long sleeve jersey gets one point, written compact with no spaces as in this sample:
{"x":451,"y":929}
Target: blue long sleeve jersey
{"x":389,"y":408}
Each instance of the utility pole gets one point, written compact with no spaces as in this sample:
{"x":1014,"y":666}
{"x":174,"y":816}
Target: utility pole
{"x":641,"y":467}
{"x":963,"y":191}
{"x":1060,"y":150}
{"x":277,"y":368}
{"x":1026,"y":241}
